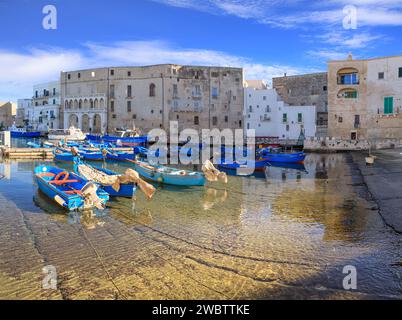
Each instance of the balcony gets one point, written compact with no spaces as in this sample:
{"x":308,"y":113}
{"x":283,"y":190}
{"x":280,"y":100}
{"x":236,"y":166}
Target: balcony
{"x":265,"y":118}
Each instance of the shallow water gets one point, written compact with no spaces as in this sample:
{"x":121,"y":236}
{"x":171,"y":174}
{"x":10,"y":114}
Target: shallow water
{"x":285,"y":233}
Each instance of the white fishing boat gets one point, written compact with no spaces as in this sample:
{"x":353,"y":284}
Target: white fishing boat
{"x":71,"y":134}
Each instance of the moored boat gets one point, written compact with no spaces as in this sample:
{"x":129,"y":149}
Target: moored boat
{"x":71,"y":134}
{"x":69,"y":190}
{"x":167,"y":175}
{"x":110,"y":181}
{"x":257,"y":165}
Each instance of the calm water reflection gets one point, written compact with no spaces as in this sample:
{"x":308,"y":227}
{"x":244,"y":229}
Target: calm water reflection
{"x":284,"y":233}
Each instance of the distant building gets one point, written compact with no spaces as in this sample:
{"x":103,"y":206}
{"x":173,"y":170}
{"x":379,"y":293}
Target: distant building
{"x":45,"y":114}
{"x":104,"y":99}
{"x":272,"y":118}
{"x":8,"y":112}
{"x":306,"y":90}
{"x":24,"y":111}
{"x":365,"y":98}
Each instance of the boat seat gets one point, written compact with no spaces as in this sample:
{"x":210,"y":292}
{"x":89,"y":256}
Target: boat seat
{"x":46,"y":175}
{"x":61,"y":182}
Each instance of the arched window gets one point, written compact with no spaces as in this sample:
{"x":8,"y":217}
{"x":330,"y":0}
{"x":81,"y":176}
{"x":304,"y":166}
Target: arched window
{"x":348,"y":93}
{"x":152,"y":88}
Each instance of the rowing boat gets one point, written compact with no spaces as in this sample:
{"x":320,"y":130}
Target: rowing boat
{"x":170,"y":176}
{"x":109,"y":180}
{"x":69,"y":190}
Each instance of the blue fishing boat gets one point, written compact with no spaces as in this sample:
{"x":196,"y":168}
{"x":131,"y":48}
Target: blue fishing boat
{"x":69,"y":190}
{"x":257,"y":165}
{"x":275,"y":156}
{"x":106,"y":179}
{"x":91,"y":155}
{"x":171,"y":176}
{"x":119,"y":155}
{"x":63,"y":156}
{"x":25,"y":134}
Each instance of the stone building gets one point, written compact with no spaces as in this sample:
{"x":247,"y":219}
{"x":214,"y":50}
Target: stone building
{"x":365,"y":98}
{"x":306,"y":90}
{"x":272,"y":118}
{"x":104,"y":99}
{"x":8,"y":112}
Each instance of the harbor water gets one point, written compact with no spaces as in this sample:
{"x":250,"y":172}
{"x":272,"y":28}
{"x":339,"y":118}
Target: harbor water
{"x":286,"y":233}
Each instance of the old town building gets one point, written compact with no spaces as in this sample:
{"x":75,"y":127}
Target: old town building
{"x":365,"y":98}
{"x":104,"y":99}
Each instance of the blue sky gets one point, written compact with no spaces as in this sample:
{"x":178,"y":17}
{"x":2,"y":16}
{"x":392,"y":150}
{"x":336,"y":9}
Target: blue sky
{"x":265,"y":37}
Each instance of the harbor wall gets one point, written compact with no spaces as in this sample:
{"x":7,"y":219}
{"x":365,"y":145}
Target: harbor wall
{"x":329,"y":144}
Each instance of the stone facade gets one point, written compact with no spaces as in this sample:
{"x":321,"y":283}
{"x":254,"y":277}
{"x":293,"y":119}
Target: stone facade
{"x":305,"y":90}
{"x":104,"y":99}
{"x":8,"y":112}
{"x":365,"y":99}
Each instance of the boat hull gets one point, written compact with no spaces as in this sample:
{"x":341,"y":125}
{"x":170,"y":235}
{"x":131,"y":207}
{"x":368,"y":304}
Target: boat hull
{"x":189,"y":180}
{"x":285,"y":157}
{"x":16,"y":134}
{"x":120,"y":156}
{"x":257,"y":165}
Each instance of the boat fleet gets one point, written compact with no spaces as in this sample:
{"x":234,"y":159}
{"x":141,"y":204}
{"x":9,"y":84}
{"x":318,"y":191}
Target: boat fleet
{"x":90,"y":186}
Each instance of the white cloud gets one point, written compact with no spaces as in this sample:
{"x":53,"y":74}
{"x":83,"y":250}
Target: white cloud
{"x":20,"y":71}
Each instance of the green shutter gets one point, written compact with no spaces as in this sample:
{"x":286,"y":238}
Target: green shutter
{"x":300,"y":117}
{"x":388,"y":105}
{"x":285,"y":117}
{"x":400,"y":72}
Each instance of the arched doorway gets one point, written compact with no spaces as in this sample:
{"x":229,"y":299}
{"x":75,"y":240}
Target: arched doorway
{"x":85,"y":123}
{"x":73,"y":121}
{"x":97,"y":127}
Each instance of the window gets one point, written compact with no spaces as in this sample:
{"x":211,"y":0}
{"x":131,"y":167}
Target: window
{"x":264,"y":98}
{"x":79,"y":75}
{"x":234,"y":98}
{"x":111,"y":106}
{"x":128,"y":106}
{"x":400,"y":72}
{"x":129,"y":91}
{"x":214,"y":93}
{"x":226,"y":119}
{"x":152,"y":88}
{"x":381,"y":75}
{"x":112,"y":72}
{"x":175,"y":90}
{"x":357,"y":121}
{"x":128,"y":73}
{"x":248,"y":126}
{"x":353,"y":135}
{"x":299,"y":117}
{"x":196,"y":120}
{"x":134,"y":116}
{"x":348,"y":94}
{"x":112,"y":91}
{"x":388,"y":105}
{"x":69,"y":76}
{"x":197,"y":91}
{"x":348,"y":78}
{"x":215,"y":74}
{"x":285,"y":118}
{"x":114,"y":116}
{"x":54,"y":101}
{"x":54,"y":91}
{"x":214,"y":121}
{"x":340,"y":119}
{"x":250,"y":109}
{"x":324,"y":88}
{"x":240,"y":123}
{"x":36,"y":93}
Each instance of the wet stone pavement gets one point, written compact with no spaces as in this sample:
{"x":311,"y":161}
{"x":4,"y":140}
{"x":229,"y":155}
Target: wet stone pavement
{"x":283,"y":234}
